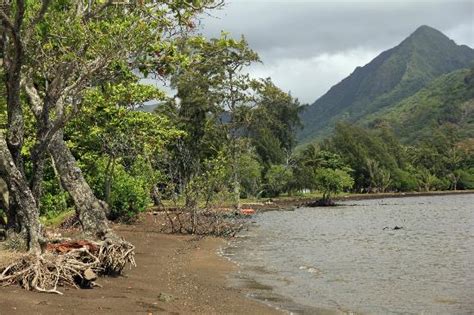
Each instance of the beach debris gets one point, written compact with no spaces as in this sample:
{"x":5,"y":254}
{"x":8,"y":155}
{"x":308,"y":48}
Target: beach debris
{"x":248,"y":211}
{"x":321,"y":203}
{"x":68,"y":263}
{"x":67,"y":246}
{"x":90,"y":275}
{"x":204,"y":222}
{"x":396,"y":227}
{"x":165,"y":297}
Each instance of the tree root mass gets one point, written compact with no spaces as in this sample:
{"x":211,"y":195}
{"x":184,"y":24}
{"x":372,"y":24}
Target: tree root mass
{"x":73,"y":264}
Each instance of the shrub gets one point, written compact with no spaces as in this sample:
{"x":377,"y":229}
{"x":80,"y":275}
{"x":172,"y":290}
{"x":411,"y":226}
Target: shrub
{"x":466,"y":179}
{"x":331,"y":182}
{"x":129,"y":195}
{"x":250,"y":173}
{"x":404,"y":181}
{"x":278,"y":179}
{"x":52,"y":204}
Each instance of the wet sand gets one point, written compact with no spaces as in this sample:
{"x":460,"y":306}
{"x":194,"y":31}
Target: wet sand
{"x":185,"y":268}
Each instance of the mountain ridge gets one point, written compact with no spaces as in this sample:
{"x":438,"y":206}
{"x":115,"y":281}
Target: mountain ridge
{"x":393,"y":75}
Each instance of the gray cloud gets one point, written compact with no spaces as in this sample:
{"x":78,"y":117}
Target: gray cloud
{"x":308,"y":46}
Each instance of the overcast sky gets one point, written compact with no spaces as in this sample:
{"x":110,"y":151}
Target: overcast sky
{"x":308,"y":46}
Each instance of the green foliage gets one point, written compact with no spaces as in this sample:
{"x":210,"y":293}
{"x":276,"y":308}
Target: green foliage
{"x":273,"y":122}
{"x":447,"y":102}
{"x":130,"y":189}
{"x":390,"y":78}
{"x":331,"y":182}
{"x":405,"y":180}
{"x":53,"y":202}
{"x":209,"y":185}
{"x":278,"y":179}
{"x":130,"y":194}
{"x":466,"y":178}
{"x":117,"y":146}
{"x":369,"y":154}
{"x":250,"y":174}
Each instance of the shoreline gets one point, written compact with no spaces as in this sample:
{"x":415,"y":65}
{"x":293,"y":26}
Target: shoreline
{"x":193,"y":272}
{"x":297,"y":202}
{"x":175,"y":274}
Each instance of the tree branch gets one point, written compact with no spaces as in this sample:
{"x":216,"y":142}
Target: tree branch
{"x":44,"y":7}
{"x":33,"y":96}
{"x":6,"y":21}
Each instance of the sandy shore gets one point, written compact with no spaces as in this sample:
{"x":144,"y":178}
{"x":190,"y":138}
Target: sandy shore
{"x":185,"y":271}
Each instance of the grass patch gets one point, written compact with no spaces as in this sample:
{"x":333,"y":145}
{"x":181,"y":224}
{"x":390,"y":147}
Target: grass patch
{"x":55,"y":221}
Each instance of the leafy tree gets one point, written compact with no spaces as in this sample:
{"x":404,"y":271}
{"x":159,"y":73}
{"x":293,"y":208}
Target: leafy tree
{"x":214,"y":91}
{"x":278,"y":179}
{"x":110,"y":136}
{"x":371,"y":154}
{"x":309,"y":160}
{"x":63,"y":49}
{"x":273,"y":122}
{"x":250,"y":174}
{"x":331,"y":182}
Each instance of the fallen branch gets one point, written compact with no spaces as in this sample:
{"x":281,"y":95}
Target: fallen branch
{"x":202,"y":223}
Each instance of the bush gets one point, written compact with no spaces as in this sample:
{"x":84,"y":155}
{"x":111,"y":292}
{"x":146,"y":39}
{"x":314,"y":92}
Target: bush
{"x":130,"y":189}
{"x":250,"y":172}
{"x":278,"y":180}
{"x":330,"y":182}
{"x":466,"y":179}
{"x":52,"y":204}
{"x":54,"y":199}
{"x":404,"y":181}
{"x":129,"y":195}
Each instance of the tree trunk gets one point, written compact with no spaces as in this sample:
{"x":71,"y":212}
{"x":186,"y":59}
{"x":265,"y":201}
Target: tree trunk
{"x":12,"y":50}
{"x":235,"y":176}
{"x":28,"y":213}
{"x":38,"y":161}
{"x":91,"y":211}
{"x":4,"y":195}
{"x":109,"y":177}
{"x":236,"y":188}
{"x":9,"y":206}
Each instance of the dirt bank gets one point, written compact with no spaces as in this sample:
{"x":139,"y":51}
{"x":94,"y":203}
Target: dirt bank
{"x":175,"y":274}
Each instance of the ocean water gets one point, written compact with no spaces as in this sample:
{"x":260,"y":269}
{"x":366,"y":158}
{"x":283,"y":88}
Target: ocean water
{"x":350,"y":260}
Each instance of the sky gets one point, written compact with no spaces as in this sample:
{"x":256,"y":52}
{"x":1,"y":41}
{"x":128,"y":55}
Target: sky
{"x":308,"y":46}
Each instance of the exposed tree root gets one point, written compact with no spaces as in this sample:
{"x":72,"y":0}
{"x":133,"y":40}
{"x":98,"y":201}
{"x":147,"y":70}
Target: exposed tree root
{"x":75,"y":264}
{"x":202,"y":223}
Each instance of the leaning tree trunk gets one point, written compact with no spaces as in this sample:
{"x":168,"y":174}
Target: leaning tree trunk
{"x":4,"y":196}
{"x":28,"y":214}
{"x":91,"y":211}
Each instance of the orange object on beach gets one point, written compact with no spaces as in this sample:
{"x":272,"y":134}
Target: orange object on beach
{"x":67,"y":246}
{"x":247,"y":211}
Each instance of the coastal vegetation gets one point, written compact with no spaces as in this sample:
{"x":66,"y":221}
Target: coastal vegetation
{"x":76,"y":135}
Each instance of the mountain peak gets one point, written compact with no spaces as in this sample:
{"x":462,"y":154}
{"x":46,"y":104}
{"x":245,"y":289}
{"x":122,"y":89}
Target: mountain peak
{"x":395,"y":74}
{"x":425,"y":29}
{"x":426,"y":32}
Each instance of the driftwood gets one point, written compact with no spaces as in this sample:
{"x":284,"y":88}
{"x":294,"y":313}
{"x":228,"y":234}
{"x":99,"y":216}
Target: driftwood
{"x":69,"y":263}
{"x":321,"y":203}
{"x":203,"y":223}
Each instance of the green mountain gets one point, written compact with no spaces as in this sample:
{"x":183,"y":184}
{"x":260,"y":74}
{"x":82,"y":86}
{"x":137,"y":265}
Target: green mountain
{"x":392,"y":76}
{"x":447,"y":102}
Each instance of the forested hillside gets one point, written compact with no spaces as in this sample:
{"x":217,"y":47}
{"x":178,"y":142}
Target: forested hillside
{"x":448,"y":102}
{"x":388,"y":79}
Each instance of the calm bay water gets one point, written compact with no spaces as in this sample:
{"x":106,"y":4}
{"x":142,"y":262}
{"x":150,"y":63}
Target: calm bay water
{"x":342,"y":259}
